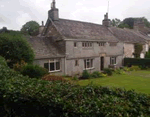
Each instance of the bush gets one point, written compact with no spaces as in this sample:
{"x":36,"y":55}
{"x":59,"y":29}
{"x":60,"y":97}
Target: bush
{"x":85,"y":74}
{"x":96,"y":74}
{"x":126,"y":69}
{"x":21,"y":96}
{"x":3,"y":61}
{"x":119,"y":71}
{"x":34,"y":71}
{"x":135,"y":68}
{"x":53,"y":78}
{"x":108,"y":71}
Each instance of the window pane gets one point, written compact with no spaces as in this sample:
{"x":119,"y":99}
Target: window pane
{"x":82,"y":44}
{"x":52,"y":68}
{"x":75,"y":44}
{"x":46,"y":66}
{"x":91,"y":62}
{"x":85,"y":44}
{"x":57,"y":65}
{"x":88,"y":64}
{"x":85,"y":64}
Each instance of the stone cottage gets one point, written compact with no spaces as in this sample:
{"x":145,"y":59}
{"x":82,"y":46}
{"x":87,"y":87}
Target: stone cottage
{"x":69,"y":47}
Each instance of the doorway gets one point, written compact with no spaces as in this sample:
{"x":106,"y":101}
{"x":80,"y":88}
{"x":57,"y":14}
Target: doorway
{"x":102,"y":63}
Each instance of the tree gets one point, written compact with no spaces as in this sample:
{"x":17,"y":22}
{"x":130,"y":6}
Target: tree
{"x":31,"y":28}
{"x":116,"y":22}
{"x":137,"y":50}
{"x":15,"y":48}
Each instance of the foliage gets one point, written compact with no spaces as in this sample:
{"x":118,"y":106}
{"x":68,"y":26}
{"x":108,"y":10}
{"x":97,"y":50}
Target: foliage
{"x":53,"y":78}
{"x":147,"y":55}
{"x":122,"y":25}
{"x":119,"y":71}
{"x":15,"y":48}
{"x":108,"y":71}
{"x":85,"y":74}
{"x":126,"y":69}
{"x":34,"y":71}
{"x":138,"y":49}
{"x":96,"y":74}
{"x":3,"y":61}
{"x":19,"y":66}
{"x":115,"y":22}
{"x":135,"y":68}
{"x":31,"y":28}
{"x":137,"y":62}
{"x":65,"y":99}
{"x":75,"y":78}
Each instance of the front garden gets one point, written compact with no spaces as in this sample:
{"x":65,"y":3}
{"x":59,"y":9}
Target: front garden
{"x":137,"y":80}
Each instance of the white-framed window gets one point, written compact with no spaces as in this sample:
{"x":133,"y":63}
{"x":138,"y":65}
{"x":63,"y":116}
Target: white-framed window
{"x":88,"y":63}
{"x":112,"y":60}
{"x":102,"y":44}
{"x":53,"y":65}
{"x":75,"y":44}
{"x":76,"y":62}
{"x":87,"y":44}
{"x":113,"y":44}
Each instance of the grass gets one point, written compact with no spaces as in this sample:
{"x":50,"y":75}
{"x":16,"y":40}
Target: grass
{"x":137,"y":80}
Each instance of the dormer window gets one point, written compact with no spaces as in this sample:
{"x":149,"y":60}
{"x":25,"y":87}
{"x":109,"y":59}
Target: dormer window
{"x":87,"y":44}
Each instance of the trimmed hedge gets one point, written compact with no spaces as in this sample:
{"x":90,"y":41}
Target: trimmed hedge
{"x":25,"y":97}
{"x":137,"y":62}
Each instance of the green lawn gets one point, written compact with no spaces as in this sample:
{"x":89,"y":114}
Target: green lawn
{"x":137,"y":80}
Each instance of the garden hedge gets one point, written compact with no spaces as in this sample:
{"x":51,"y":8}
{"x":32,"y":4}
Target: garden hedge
{"x":137,"y":61}
{"x":21,"y":96}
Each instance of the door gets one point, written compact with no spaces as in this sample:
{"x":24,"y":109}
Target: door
{"x":102,"y":63}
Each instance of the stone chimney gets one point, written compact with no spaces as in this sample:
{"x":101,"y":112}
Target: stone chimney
{"x":41,"y":28}
{"x":138,"y":24}
{"x":53,"y":13}
{"x":106,"y":21}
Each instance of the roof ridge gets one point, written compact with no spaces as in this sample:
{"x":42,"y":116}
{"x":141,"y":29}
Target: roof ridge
{"x":80,"y":21}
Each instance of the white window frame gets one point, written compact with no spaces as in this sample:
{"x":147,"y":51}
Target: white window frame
{"x":113,"y":59}
{"x":54,"y":61}
{"x":90,"y":61}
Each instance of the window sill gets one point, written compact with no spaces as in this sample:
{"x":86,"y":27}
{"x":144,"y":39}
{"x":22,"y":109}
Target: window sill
{"x":54,"y":71}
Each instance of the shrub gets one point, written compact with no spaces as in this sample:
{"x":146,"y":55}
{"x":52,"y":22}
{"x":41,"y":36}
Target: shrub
{"x":96,"y":74}
{"x":34,"y":71}
{"x":21,"y":96}
{"x":85,"y":74}
{"x":126,"y":69}
{"x":108,"y":71}
{"x":3,"y":61}
{"x":19,"y":65}
{"x":53,"y":78}
{"x":135,"y":68}
{"x":119,"y":71}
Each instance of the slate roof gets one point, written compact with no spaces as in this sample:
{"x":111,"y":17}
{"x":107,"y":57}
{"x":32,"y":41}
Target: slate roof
{"x":71,"y":29}
{"x":127,"y":35}
{"x":45,"y":47}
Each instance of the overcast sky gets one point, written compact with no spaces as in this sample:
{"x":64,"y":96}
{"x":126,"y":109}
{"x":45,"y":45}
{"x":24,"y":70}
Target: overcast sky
{"x":15,"y":13}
